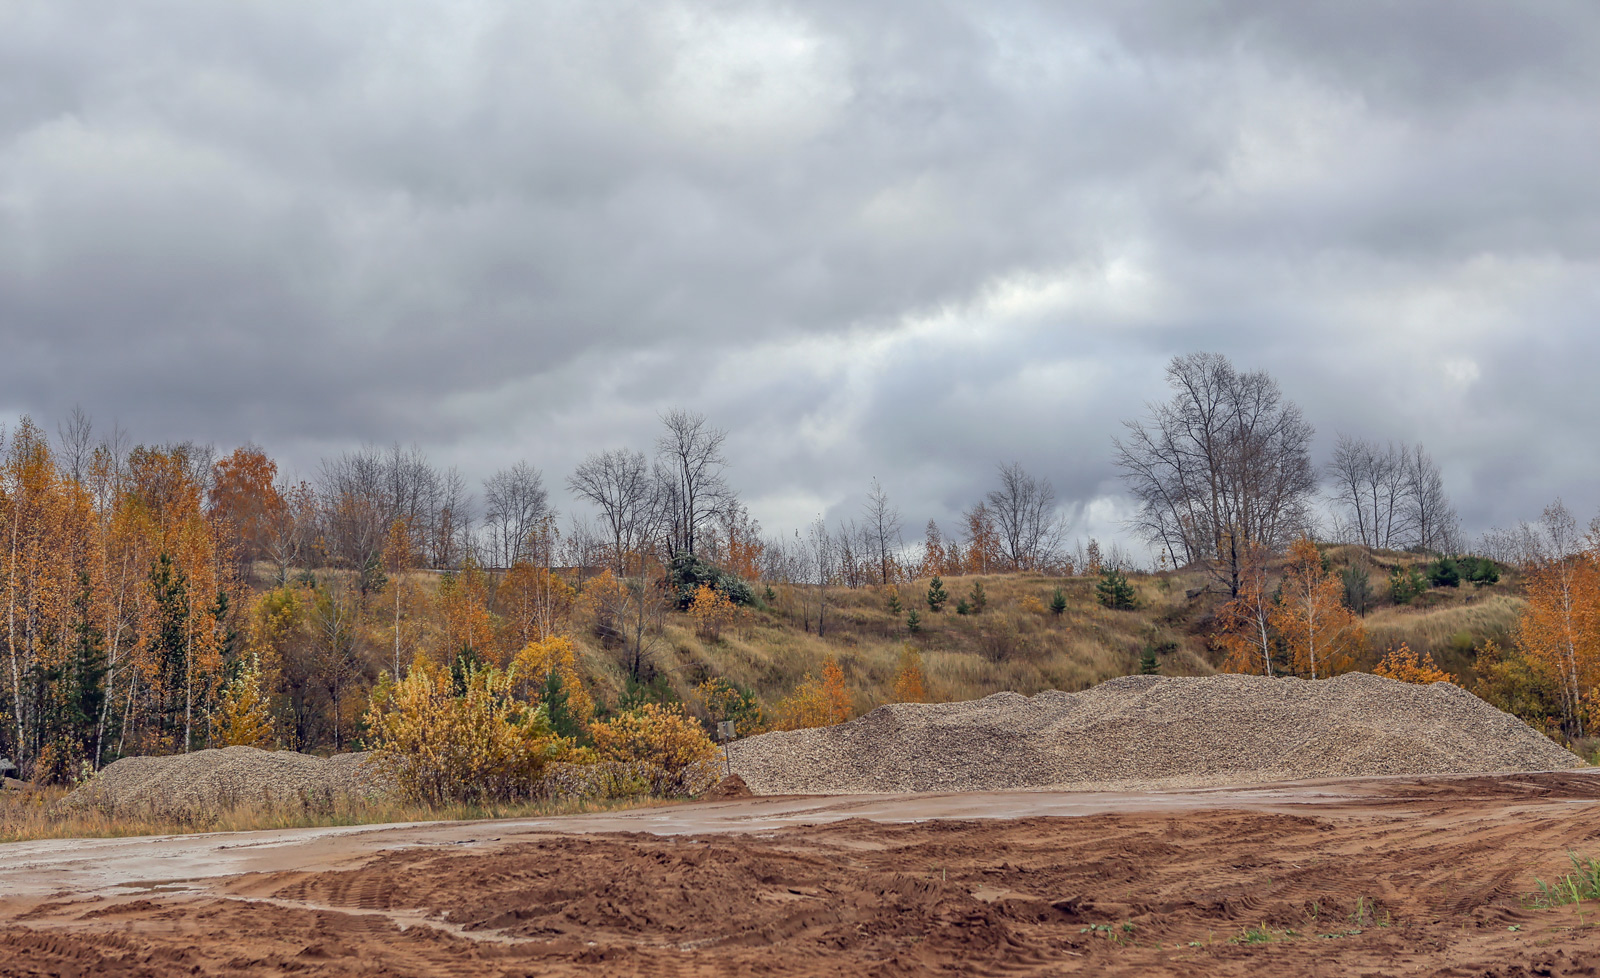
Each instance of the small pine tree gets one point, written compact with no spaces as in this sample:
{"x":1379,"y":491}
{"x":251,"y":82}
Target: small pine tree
{"x":1405,"y":585}
{"x":937,"y":595}
{"x":913,"y":622}
{"x":1058,"y":603}
{"x":1114,"y":590}
{"x":1357,"y":589}
{"x":894,"y":601}
{"x":962,"y":608}
{"x":1149,"y":665}
{"x":977,"y":600}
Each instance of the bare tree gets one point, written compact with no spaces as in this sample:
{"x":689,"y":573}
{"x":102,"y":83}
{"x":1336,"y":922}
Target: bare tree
{"x":514,"y":500}
{"x":77,"y":443}
{"x":1224,"y":464}
{"x":619,"y":483}
{"x":1369,"y":486}
{"x":689,"y":469}
{"x":1023,"y":511}
{"x":821,"y":555}
{"x":1431,"y":518}
{"x":882,"y":519}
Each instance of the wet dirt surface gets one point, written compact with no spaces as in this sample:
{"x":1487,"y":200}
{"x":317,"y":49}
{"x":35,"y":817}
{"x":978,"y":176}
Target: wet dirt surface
{"x":1380,"y":877}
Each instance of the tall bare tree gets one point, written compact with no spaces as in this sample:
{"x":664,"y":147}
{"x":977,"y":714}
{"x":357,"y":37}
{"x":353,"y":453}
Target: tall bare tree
{"x":689,"y":469}
{"x":882,"y":523}
{"x":619,"y":483}
{"x":514,"y":500}
{"x":1430,"y":517}
{"x":76,"y":435}
{"x":1223,"y":464}
{"x":1024,"y":512}
{"x":1369,"y":486}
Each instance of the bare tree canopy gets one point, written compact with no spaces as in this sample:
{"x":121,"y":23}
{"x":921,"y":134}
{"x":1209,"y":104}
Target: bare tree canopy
{"x":689,"y":468}
{"x":1023,"y":510}
{"x":514,"y":501}
{"x":619,"y":483}
{"x":1224,"y":464}
{"x":1369,"y":486}
{"x":1391,"y":498}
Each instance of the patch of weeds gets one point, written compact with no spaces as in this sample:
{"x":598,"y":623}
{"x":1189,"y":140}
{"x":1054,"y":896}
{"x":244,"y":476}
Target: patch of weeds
{"x":1116,"y":935}
{"x":1263,"y":934}
{"x":1583,"y":883}
{"x":1369,"y":914}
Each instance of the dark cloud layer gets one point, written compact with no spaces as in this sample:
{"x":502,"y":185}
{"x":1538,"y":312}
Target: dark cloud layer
{"x":897,"y":240}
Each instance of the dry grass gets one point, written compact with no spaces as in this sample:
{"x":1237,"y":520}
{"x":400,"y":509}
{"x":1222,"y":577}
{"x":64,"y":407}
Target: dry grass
{"x":1010,"y":645}
{"x":35,"y":813}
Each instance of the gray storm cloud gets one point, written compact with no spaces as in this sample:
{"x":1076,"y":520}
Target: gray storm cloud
{"x":903,"y":241}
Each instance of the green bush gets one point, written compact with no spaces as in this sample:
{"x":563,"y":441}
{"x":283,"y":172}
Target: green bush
{"x":1444,"y":573}
{"x":937,"y":595}
{"x":1058,"y":603}
{"x":688,"y":572}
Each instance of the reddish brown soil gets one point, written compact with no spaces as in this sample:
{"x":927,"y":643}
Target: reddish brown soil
{"x":1422,"y":879}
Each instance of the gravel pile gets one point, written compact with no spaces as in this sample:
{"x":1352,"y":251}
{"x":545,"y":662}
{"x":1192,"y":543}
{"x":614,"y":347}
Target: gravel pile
{"x":206,"y":782}
{"x":1143,"y":732}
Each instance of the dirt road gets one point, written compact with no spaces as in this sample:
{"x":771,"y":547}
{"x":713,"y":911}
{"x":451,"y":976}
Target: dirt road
{"x":1384,"y":877}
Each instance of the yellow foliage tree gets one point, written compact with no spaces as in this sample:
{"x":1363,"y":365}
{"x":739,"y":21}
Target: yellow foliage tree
{"x":468,"y":624}
{"x":910,"y":685}
{"x":538,"y":660}
{"x":1322,"y":635}
{"x":678,"y":757}
{"x":244,"y":715}
{"x":441,"y":745}
{"x":1402,"y":664}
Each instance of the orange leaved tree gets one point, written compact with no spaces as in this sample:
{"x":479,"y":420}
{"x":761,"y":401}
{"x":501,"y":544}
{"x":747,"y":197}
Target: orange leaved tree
{"x":1322,"y":635}
{"x":1246,"y":630}
{"x":1560,"y":629}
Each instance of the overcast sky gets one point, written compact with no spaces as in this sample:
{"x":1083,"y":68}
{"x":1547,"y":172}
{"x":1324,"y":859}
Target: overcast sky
{"x":894,"y":240}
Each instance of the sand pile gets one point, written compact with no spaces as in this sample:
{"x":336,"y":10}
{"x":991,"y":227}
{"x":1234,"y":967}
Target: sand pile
{"x":207,"y":782}
{"x":1153,"y":732}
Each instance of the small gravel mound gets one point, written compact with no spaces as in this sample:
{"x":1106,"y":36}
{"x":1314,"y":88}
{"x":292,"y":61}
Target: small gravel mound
{"x":206,"y":782}
{"x":1142,"y":732}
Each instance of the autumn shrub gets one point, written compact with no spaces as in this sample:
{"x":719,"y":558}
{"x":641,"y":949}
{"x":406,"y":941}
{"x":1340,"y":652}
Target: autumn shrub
{"x":1032,"y":605}
{"x":816,"y":702}
{"x":719,"y":700}
{"x":475,"y":743}
{"x":1402,"y":664}
{"x":712,"y":611}
{"x":547,"y":670}
{"x":910,"y":684}
{"x":677,"y":756}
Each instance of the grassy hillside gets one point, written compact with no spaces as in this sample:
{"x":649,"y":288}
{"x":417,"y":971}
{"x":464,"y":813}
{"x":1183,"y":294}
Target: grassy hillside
{"x":1016,"y":643}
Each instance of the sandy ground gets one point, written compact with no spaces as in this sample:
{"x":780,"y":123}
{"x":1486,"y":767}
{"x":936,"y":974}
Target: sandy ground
{"x":1410,"y":876}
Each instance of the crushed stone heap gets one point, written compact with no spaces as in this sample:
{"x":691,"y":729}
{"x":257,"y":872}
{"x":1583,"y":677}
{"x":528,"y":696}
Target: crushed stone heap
{"x":206,"y":782}
{"x":1143,"y":732}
